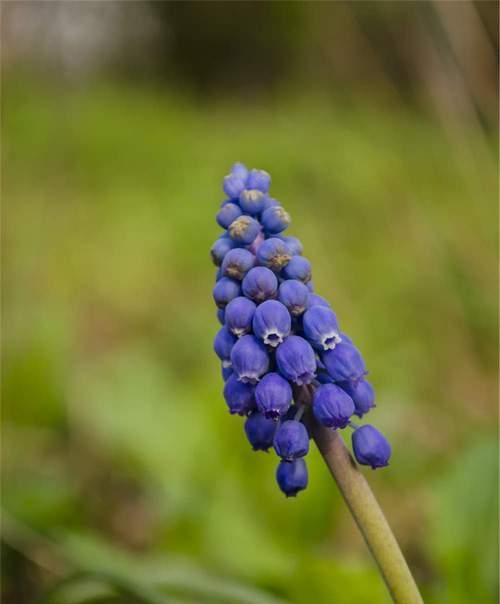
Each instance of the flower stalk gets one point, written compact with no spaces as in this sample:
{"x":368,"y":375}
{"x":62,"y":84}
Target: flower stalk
{"x":368,"y":515}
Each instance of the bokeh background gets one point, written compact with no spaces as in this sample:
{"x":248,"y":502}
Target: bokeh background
{"x":122,"y":469}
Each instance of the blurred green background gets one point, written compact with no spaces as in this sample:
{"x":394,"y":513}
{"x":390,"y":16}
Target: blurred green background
{"x":378,"y":122}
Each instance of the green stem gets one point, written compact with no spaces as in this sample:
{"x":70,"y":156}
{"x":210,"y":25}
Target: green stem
{"x":368,"y":515}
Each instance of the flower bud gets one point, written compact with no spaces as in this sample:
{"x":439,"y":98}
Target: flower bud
{"x":291,"y":440}
{"x":293,"y":244}
{"x":239,"y":170}
{"x":273,"y":395}
{"x":344,"y":362}
{"x":260,"y":431}
{"x":298,"y":268}
{"x":225,"y":290}
{"x":249,"y":359}
{"x":274,"y":254}
{"x":370,"y":447}
{"x":258,"y":179}
{"x":321,"y":328}
{"x":260,"y":284}
{"x":220,"y":248}
{"x":332,"y":407}
{"x":221,"y":315}
{"x":240,"y":397}
{"x":227,"y":214}
{"x":292,"y":476}
{"x":237,"y":263}
{"x":272,"y":322}
{"x":294,"y":295}
{"x":233,"y":186}
{"x":244,"y":230}
{"x":362,"y":394}
{"x":274,"y":220}
{"x":239,"y":315}
{"x":296,"y":360}
{"x":252,"y":201}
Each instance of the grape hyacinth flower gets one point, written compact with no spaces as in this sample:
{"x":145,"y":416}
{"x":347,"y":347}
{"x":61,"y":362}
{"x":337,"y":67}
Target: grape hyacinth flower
{"x":259,"y":284}
{"x":274,"y":254}
{"x":260,"y":431}
{"x":237,"y":263}
{"x":240,"y":397}
{"x":320,"y":327}
{"x":370,"y":446}
{"x":220,"y":248}
{"x":344,"y":362}
{"x":291,"y":476}
{"x":238,"y":316}
{"x":272,"y":322}
{"x":279,"y":341}
{"x":298,"y":268}
{"x":258,"y":179}
{"x":362,"y":394}
{"x":225,"y":290}
{"x":233,"y":185}
{"x":228,"y":214}
{"x":296,"y":360}
{"x":291,"y":440}
{"x":273,"y":395}
{"x":288,"y":369}
{"x":244,"y":230}
{"x":240,"y":171}
{"x":249,"y":359}
{"x":275,"y":220}
{"x":294,"y":295}
{"x":332,"y":407}
{"x":252,"y":201}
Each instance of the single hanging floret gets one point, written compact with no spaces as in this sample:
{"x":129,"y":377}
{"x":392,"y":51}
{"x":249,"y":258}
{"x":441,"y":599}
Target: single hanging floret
{"x":272,"y":322}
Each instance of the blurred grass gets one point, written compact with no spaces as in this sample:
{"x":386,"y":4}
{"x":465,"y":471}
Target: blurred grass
{"x":114,"y":427}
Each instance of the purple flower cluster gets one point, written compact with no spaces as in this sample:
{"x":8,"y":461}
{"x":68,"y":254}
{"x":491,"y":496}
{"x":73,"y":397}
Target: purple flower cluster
{"x":278,"y":337}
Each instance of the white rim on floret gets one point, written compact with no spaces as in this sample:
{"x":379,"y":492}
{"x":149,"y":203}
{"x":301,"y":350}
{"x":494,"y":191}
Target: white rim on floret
{"x":330,"y":340}
{"x":251,"y":377}
{"x":273,"y":338}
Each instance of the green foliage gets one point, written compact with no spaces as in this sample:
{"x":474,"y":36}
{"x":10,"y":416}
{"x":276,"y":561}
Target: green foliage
{"x":116,"y":437}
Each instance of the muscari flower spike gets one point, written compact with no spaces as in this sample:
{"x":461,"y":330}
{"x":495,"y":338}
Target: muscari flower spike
{"x":278,"y":337}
